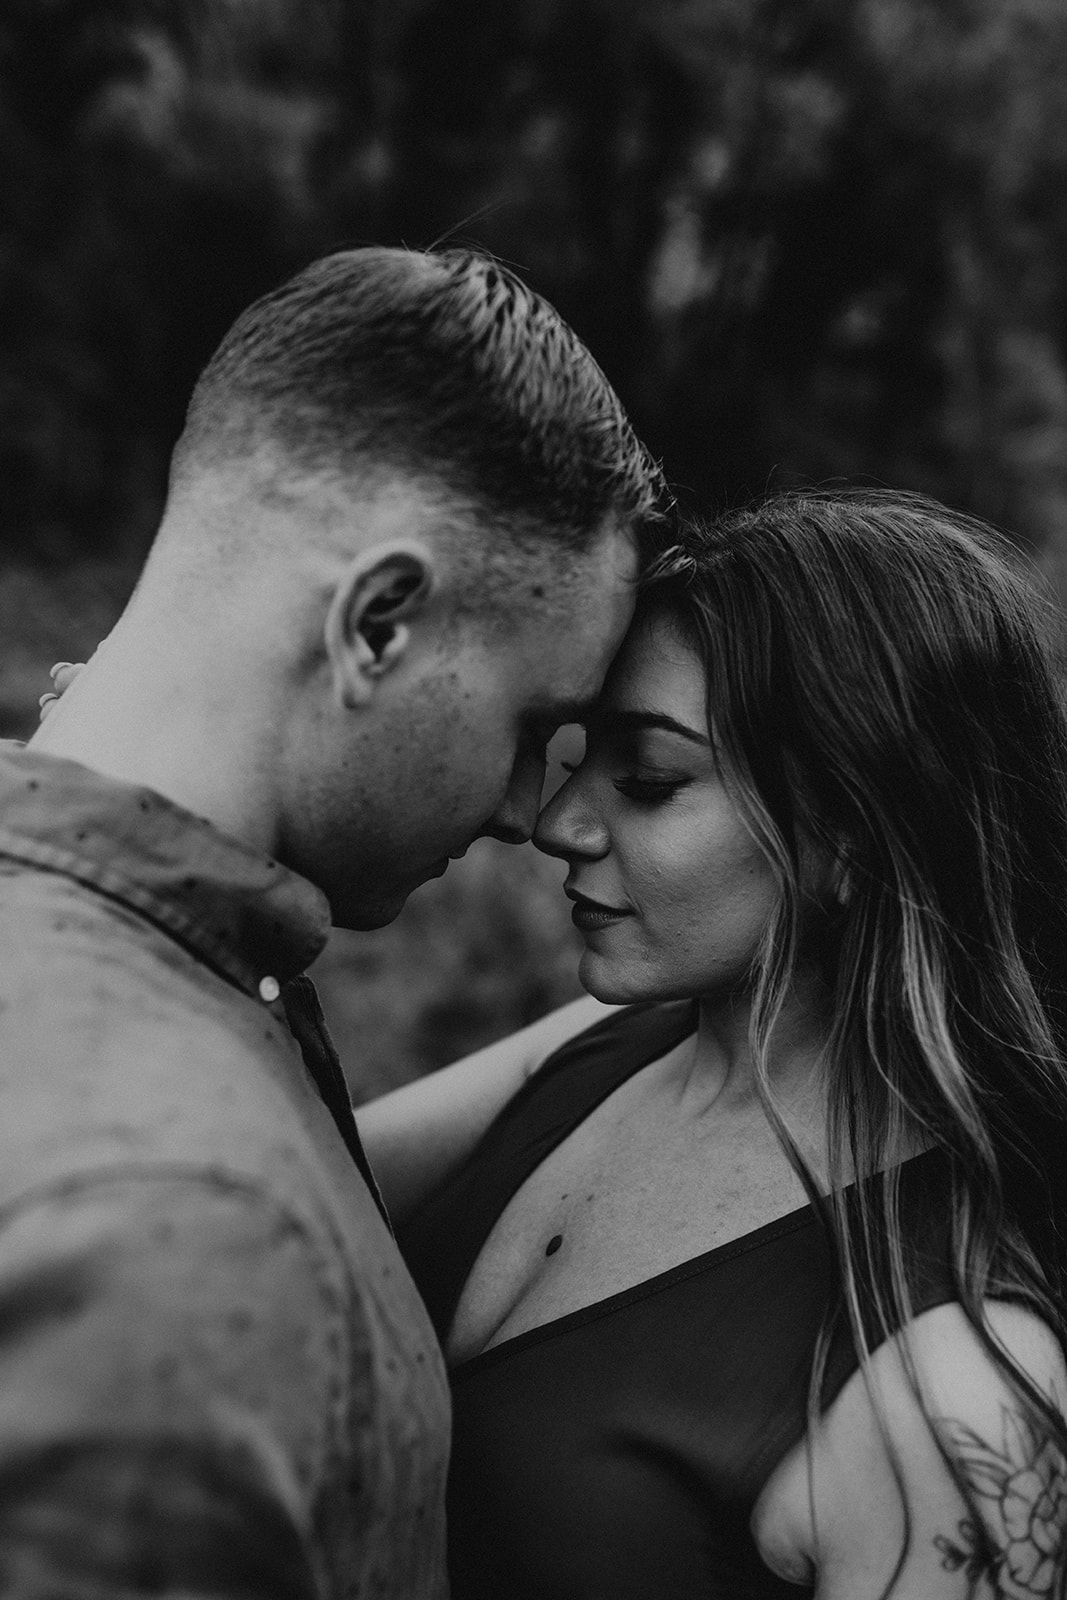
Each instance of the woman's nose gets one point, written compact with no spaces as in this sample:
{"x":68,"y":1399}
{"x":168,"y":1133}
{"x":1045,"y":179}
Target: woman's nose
{"x":569,"y":826}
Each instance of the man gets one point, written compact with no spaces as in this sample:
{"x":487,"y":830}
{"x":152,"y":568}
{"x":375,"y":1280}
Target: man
{"x":404,"y":523}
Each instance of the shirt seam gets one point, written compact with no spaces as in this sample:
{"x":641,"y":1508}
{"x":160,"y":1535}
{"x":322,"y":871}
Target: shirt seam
{"x":214,"y":1175}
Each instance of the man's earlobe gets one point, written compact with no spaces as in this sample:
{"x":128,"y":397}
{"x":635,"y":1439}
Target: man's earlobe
{"x":368,"y":623}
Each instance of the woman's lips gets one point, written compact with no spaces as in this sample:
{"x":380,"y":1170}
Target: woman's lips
{"x":588,"y":915}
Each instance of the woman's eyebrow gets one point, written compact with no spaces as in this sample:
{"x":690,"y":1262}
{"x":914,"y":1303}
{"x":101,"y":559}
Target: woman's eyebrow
{"x":632,"y":721}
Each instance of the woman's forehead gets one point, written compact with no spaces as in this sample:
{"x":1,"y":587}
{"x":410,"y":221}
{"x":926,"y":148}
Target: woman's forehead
{"x":657,"y":669}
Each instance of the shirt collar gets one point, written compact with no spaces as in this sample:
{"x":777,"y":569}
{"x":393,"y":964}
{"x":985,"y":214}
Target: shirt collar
{"x":241,"y":912}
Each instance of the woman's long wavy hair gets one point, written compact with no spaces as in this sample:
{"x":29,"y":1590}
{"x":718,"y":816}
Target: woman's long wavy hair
{"x":881,"y":687}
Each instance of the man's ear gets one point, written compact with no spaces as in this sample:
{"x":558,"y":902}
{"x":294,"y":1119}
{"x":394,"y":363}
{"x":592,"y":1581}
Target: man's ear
{"x":368,"y":622}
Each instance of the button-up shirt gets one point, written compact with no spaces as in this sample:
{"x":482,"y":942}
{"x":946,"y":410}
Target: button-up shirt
{"x":216,"y":1377}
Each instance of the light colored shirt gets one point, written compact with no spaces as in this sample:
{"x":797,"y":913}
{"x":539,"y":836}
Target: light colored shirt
{"x":216,"y":1377}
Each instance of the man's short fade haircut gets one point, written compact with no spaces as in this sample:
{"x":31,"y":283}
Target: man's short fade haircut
{"x":441,"y":365}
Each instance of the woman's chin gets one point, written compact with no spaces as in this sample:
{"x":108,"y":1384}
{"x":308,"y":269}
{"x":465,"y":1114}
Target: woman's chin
{"x":611,"y":983}
{"x":615,"y":984}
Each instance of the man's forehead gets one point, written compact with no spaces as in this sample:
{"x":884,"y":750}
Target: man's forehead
{"x":563,"y":622}
{"x":609,"y":556}
{"x":600,"y":582}
{"x":618,"y":549}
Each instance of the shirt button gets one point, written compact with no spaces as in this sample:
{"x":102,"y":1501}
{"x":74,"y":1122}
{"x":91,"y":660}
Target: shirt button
{"x":269,"y":989}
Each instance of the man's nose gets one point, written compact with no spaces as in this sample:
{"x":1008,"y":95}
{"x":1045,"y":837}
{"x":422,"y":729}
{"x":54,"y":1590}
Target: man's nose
{"x":515,"y":817}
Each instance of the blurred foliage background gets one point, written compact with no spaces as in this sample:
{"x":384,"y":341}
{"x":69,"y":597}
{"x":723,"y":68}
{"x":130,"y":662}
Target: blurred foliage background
{"x":807,"y":239}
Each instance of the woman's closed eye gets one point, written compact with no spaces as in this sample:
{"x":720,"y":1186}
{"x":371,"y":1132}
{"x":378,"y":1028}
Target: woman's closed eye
{"x":649,"y":791}
{"x":644,"y":788}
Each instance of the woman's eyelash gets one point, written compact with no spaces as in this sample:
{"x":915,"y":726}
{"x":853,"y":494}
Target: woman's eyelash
{"x":650,"y":789}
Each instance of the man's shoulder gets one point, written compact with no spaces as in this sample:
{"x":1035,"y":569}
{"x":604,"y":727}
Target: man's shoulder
{"x":120,"y":1046}
{"x":122,"y":1051}
{"x":88,"y":969}
{"x":51,"y":916}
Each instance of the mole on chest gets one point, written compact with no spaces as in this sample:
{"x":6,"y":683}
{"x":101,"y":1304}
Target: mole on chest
{"x":558,"y":1228}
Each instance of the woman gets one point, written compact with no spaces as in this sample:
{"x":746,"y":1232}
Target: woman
{"x":758,"y":1282}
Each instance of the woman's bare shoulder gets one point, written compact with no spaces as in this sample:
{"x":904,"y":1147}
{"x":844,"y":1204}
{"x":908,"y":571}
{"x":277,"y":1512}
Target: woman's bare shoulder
{"x":968,"y":1490}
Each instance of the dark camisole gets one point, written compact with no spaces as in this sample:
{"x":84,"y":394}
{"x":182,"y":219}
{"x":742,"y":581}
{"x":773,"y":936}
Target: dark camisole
{"x":617,"y":1453}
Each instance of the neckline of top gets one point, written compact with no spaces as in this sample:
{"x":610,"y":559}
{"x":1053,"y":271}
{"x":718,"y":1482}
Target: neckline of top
{"x":789,"y":1222}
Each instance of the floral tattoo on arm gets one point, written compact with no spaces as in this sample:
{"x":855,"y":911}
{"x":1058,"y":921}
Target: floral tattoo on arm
{"x":1018,"y":1550}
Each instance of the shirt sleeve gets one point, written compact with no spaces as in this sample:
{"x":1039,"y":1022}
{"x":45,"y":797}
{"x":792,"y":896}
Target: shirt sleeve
{"x":175,"y":1369}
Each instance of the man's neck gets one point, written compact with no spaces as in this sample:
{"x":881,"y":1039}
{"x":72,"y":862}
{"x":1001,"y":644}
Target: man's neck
{"x":176,"y":731}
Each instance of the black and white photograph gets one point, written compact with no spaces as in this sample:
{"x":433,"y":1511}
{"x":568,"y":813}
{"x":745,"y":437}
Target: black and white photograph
{"x":533,"y":799}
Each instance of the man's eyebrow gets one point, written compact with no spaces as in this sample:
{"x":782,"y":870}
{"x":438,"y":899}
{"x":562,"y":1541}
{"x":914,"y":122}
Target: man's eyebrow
{"x":633,"y":721}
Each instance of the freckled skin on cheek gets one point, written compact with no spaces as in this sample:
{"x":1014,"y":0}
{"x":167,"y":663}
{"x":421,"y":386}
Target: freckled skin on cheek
{"x":450,"y":740}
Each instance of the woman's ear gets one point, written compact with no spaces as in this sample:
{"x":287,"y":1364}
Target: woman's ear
{"x":826,"y":870}
{"x":839,"y":876}
{"x":367,"y":631}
